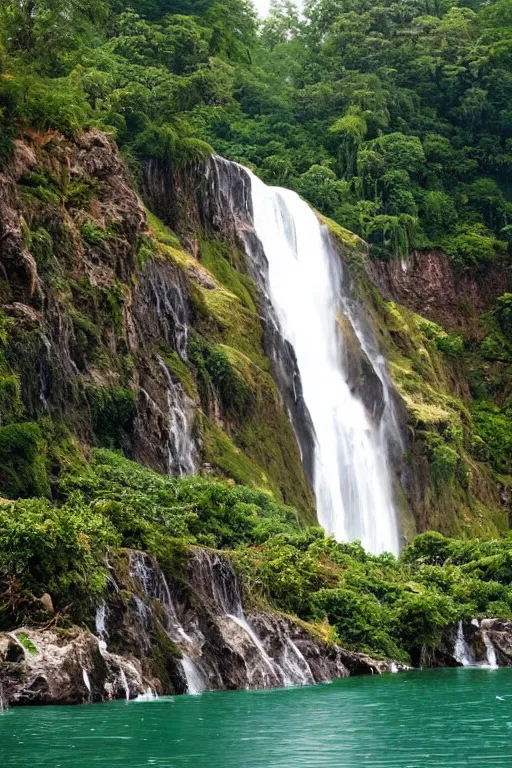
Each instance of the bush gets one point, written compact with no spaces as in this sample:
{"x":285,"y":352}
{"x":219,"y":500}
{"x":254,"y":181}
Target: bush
{"x":494,"y":426}
{"x":23,"y":470}
{"x":112,"y":412}
{"x":451,"y":344}
{"x":147,"y":507}
{"x":503,"y":313}
{"x":213,"y":367}
{"x":56,"y":550}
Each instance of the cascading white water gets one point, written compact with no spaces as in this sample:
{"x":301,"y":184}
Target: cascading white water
{"x":294,"y":666}
{"x":124,"y":682}
{"x":490,"y":651}
{"x":464,"y":654}
{"x":148,"y":695}
{"x":461,"y":652}
{"x":218,"y":584}
{"x":180,"y":445}
{"x":87,"y":681}
{"x":352,"y":481}
{"x":195,"y":681}
{"x":242,"y":622}
{"x":155,"y":586}
{"x":100,"y":624}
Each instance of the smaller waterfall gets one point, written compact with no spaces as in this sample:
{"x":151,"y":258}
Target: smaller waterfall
{"x":124,"y":681}
{"x":195,"y":681}
{"x":461,"y":651}
{"x":156,"y":587}
{"x":242,"y":622}
{"x":215,"y":584}
{"x":87,"y":681}
{"x":464,"y":653}
{"x":4,"y":705}
{"x":100,"y":623}
{"x":490,"y":651}
{"x":43,"y":366}
{"x":180,"y":446}
{"x":294,"y":667}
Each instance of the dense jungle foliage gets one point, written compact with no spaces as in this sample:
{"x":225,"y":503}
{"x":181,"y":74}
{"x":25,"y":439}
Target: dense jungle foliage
{"x":381,"y":605}
{"x":392,"y":118}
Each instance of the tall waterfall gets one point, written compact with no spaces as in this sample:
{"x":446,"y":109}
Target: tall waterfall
{"x":351,"y":479}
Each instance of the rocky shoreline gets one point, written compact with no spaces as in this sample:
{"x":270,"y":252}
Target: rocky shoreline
{"x":159,"y":635}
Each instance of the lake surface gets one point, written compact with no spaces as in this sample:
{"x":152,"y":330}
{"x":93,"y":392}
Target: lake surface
{"x":437,"y":718}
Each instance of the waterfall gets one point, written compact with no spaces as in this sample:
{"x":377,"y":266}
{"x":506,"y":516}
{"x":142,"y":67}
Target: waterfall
{"x":100,"y":624}
{"x":4,"y":706}
{"x":491,"y":660}
{"x":464,"y":653}
{"x":155,"y":586}
{"x":304,"y":283}
{"x":180,"y":445}
{"x":87,"y":681}
{"x":461,"y":651}
{"x":294,"y":667}
{"x":124,"y":682}
{"x":216,"y":585}
{"x":242,"y":622}
{"x":195,"y":681}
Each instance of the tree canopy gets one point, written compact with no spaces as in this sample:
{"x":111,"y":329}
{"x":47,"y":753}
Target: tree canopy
{"x":394,"y":119}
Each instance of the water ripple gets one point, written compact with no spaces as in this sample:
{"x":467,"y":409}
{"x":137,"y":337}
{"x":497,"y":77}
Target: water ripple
{"x":433,"y":719}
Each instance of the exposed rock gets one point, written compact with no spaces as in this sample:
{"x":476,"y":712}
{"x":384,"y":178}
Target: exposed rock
{"x":478,"y":643}
{"x":431,"y":286}
{"x":361,"y":377}
{"x":499,"y":632}
{"x":172,"y":637}
{"x":47,"y":603}
{"x":65,"y":667}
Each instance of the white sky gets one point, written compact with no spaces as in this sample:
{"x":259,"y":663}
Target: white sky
{"x":262,"y":6}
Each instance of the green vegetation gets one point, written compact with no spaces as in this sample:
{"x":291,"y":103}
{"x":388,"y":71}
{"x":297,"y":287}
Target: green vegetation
{"x":388,"y":607}
{"x":52,"y":549}
{"x":112,"y":412}
{"x":23,"y":470}
{"x":448,"y":447}
{"x":391,"y":119}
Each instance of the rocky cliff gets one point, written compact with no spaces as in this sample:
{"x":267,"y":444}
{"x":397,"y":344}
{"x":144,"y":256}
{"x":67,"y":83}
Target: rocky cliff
{"x":146,"y":329}
{"x":166,"y":636}
{"x":117,"y":333}
{"x":156,"y":339}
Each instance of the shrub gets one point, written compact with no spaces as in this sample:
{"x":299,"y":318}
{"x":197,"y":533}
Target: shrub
{"x":213,"y":366}
{"x":55,"y":550}
{"x":503,"y":313}
{"x":451,"y":344}
{"x":494,"y":426}
{"x":23,"y":470}
{"x":112,"y":413}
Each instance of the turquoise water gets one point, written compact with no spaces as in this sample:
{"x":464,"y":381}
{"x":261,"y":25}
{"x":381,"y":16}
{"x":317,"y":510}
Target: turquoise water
{"x":439,"y":718}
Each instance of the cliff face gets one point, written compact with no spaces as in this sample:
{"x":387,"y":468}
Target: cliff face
{"x":153,"y":335}
{"x":158,"y":634}
{"x":155,"y":338}
{"x":450,"y":360}
{"x":117,"y":333}
{"x":429,"y":285}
